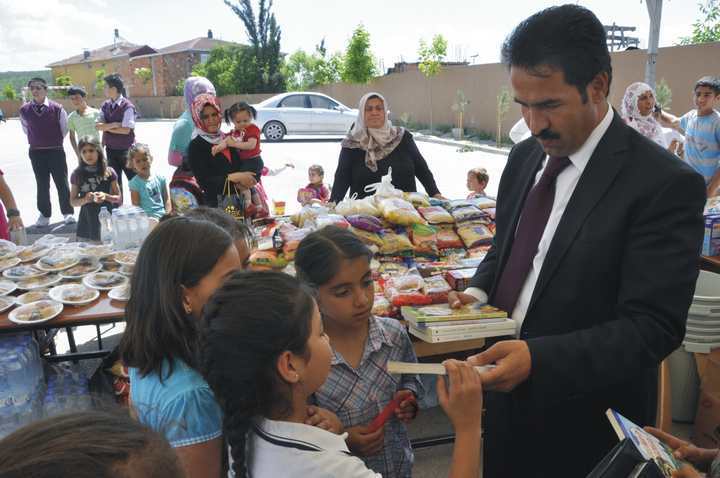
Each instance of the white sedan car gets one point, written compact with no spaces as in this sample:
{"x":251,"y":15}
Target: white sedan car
{"x":303,"y":113}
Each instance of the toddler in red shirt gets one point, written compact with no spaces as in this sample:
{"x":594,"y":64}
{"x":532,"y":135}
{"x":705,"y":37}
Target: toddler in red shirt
{"x":316,"y":191}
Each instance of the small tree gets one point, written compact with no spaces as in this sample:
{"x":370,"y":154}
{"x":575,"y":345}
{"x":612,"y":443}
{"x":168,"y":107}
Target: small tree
{"x":145,"y":74}
{"x":359,"y":64}
{"x":459,"y":108}
{"x":62,"y":80}
{"x":663,"y":94}
{"x":707,"y":28}
{"x":99,"y":81}
{"x":431,"y":57}
{"x":180,"y":87}
{"x":503,"y":106}
{"x":9,"y":92}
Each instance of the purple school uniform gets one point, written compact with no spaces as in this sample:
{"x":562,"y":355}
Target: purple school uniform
{"x":43,"y":125}
{"x":115,"y":115}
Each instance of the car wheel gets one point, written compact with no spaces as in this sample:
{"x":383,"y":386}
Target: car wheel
{"x":274,"y":131}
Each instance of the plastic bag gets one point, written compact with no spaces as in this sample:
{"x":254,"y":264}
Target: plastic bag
{"x":366,"y":223}
{"x":396,"y":244}
{"x":406,"y":290}
{"x":331,"y":220}
{"x":399,"y":211}
{"x":352,"y":205}
{"x":447,"y":238}
{"x":384,"y":189}
{"x":381,"y":306}
{"x":483,"y":203}
{"x":292,"y":240}
{"x":468,"y":213}
{"x":369,"y":238}
{"x":417,"y":199}
{"x":474,"y":234}
{"x":437,"y":289}
{"x":392,"y":268}
{"x":424,"y":240}
{"x":456,"y":204}
{"x":267,"y":259}
{"x":436,"y":215}
{"x":309,"y":213}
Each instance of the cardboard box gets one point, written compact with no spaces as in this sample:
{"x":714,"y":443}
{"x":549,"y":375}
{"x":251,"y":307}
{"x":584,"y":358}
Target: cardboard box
{"x":706,"y":432}
{"x":459,"y":279}
{"x":711,"y":241}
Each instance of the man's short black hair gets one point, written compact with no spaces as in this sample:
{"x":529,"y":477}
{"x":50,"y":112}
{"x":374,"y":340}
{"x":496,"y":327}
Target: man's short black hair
{"x":115,"y":81}
{"x":712,"y":82}
{"x":77,"y":90}
{"x":37,"y":80}
{"x":569,"y":38}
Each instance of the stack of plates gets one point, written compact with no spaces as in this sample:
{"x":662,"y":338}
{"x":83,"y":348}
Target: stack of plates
{"x":703,"y":323}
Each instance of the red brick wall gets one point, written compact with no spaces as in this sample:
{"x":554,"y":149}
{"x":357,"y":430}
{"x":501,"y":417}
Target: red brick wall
{"x":176,"y":67}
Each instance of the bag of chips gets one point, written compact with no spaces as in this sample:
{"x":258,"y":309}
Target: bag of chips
{"x":417,"y":199}
{"x":467,"y":213}
{"x":447,"y":238}
{"x":396,"y":244}
{"x":365,"y":222}
{"x":474,"y":234}
{"x":436,"y":215}
{"x":424,"y":240}
{"x":399,"y":211}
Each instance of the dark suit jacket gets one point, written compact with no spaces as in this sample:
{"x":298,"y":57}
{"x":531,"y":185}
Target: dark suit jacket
{"x":610,"y":302}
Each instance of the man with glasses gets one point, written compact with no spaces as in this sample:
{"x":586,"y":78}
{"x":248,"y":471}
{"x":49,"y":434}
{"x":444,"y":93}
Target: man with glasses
{"x":45,"y":123}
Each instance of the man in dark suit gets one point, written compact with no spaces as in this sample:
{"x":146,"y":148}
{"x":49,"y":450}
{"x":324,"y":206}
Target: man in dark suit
{"x":595,"y":256}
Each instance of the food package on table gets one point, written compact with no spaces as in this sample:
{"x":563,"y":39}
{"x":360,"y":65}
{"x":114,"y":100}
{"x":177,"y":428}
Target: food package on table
{"x":369,"y":238}
{"x":365,"y":222}
{"x":309,"y":213}
{"x":443,"y":203}
{"x":456,"y":204}
{"x":459,"y":279}
{"x":399,"y":211}
{"x":392,"y":268}
{"x":424,"y":240}
{"x":436,"y":215}
{"x":437,"y":288}
{"x":478,"y":253}
{"x":331,"y":220}
{"x":385,"y":188}
{"x":431,"y":268}
{"x":447,"y":238}
{"x":291,"y":239}
{"x":475,"y":234}
{"x":352,"y":205}
{"x":483,"y":203}
{"x":267,"y":259}
{"x":406,"y":290}
{"x":396,"y":244}
{"x":381,"y":306}
{"x":454,"y":255}
{"x":468,"y":213}
{"x":417,"y":199}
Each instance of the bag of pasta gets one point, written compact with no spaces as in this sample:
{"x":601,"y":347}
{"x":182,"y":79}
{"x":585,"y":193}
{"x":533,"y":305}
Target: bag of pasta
{"x":398,"y":211}
{"x":417,"y":199}
{"x":396,"y":244}
{"x":369,"y":238}
{"x":447,"y":238}
{"x":475,"y":234}
{"x":436,"y":215}
{"x":424,"y":239}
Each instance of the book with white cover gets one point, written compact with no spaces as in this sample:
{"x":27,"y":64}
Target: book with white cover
{"x":461,"y":327}
{"x":460,"y":335}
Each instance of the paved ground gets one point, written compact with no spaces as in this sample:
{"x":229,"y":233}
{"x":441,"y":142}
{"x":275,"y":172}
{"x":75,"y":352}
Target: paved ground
{"x":448,"y":165}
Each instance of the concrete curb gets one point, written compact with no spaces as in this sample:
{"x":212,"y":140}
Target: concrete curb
{"x":461,"y":144}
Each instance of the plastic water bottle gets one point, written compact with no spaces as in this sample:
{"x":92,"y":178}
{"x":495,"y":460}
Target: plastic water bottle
{"x":105,"y":226}
{"x":133,"y":235}
{"x":121,"y":229}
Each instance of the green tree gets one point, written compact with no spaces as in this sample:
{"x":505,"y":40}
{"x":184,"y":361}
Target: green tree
{"x":503,"y":106}
{"x":264,"y":62}
{"x":303,"y":71}
{"x":230,"y":69}
{"x":431,"y":57}
{"x":9,"y":92}
{"x":359,"y":64}
{"x":99,"y":81}
{"x":707,"y":27}
{"x":180,"y":87}
{"x":145,"y":74}
{"x":663,"y":94}
{"x":62,"y":80}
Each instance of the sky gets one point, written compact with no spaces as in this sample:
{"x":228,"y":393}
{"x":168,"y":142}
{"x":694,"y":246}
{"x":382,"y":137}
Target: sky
{"x":37,"y":32}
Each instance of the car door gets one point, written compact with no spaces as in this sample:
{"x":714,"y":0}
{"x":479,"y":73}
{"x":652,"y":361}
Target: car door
{"x":295,"y":113}
{"x":328,"y":116}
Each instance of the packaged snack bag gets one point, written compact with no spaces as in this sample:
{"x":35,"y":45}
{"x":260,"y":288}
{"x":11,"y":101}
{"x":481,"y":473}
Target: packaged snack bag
{"x":436,"y":215}
{"x":447,"y":238}
{"x":365,"y":222}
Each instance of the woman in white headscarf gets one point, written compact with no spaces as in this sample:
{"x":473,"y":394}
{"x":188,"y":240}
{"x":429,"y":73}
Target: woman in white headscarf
{"x":374,"y":145}
{"x":637,"y":110}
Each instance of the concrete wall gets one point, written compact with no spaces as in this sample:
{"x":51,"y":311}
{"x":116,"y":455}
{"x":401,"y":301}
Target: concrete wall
{"x":409,"y":92}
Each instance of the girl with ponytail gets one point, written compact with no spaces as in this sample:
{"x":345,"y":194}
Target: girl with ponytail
{"x":264,"y":352}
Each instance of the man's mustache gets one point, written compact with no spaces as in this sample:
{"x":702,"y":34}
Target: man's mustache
{"x":547,"y":134}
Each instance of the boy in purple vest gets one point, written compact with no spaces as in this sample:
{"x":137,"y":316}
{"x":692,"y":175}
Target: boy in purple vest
{"x":45,"y":123}
{"x":118,"y":127}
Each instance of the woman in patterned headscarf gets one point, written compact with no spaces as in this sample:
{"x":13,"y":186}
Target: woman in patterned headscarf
{"x":637,"y":111}
{"x":374,"y":145}
{"x":211,"y":171}
{"x":183,"y":128}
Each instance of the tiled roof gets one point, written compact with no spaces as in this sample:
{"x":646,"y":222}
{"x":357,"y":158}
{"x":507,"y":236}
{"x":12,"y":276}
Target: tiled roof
{"x":196,"y":44}
{"x":104,"y":53}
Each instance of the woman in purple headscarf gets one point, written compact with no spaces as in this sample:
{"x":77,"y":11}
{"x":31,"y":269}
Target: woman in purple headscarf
{"x":183,"y":129}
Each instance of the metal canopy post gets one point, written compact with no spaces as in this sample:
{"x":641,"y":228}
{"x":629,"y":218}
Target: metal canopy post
{"x":654,"y":8}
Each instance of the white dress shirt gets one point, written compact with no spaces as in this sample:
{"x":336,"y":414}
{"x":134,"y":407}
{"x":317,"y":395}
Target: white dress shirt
{"x":564,"y":188}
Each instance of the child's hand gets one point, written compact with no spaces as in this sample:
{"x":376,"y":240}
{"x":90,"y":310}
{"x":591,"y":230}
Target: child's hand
{"x":88,"y":198}
{"x":290,"y":165}
{"x":363,"y":443}
{"x":408,"y":408}
{"x":684,"y":450}
{"x":463,"y":402}
{"x":323,"y":418}
{"x":100,"y":197}
{"x":218,"y":148}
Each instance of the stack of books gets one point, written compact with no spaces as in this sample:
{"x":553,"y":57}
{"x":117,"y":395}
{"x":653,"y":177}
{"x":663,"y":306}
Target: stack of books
{"x":440,"y":323}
